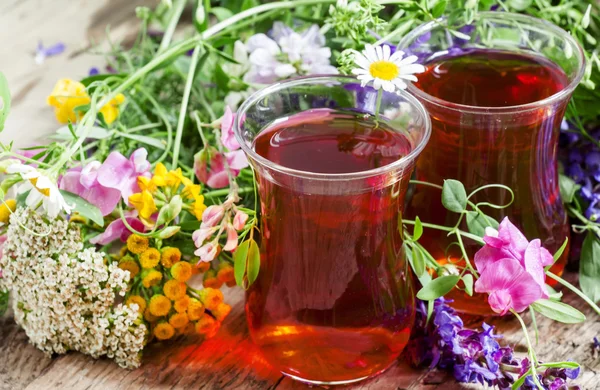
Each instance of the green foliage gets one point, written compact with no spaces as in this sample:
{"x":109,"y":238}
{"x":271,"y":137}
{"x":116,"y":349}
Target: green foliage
{"x":558,"y":311}
{"x":438,"y":287}
{"x":589,"y":267}
{"x":246,"y":263}
{"x":83,"y":207}
{"x":454,"y":196}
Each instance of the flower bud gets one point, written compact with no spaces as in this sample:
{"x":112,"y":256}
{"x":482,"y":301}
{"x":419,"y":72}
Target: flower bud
{"x":240,"y":219}
{"x":212,"y":216}
{"x":169,"y":232}
{"x":232,"y":238}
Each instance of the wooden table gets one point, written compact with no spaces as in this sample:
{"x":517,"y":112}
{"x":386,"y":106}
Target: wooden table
{"x":230,"y":360}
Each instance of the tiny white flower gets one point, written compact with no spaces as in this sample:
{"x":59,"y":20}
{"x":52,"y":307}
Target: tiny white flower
{"x":385,"y":70}
{"x":41,"y":189}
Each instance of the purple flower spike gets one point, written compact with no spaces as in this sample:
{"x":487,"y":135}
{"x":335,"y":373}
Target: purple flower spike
{"x":42,"y":52}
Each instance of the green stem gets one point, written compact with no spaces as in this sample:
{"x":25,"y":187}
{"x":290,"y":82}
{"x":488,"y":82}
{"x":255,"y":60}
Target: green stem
{"x":575,"y":290}
{"x":530,"y":350}
{"x":378,"y":103}
{"x":184,"y":104}
{"x":447,"y":229}
{"x":177,"y":11}
{"x":589,"y":225}
{"x":217,"y":193}
{"x":425,"y":183}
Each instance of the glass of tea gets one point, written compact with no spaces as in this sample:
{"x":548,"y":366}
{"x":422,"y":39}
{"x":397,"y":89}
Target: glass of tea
{"x":496,"y":91}
{"x":334,"y":300}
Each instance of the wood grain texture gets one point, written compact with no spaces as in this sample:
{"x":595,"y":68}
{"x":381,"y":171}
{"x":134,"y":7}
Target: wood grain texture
{"x":230,"y":360}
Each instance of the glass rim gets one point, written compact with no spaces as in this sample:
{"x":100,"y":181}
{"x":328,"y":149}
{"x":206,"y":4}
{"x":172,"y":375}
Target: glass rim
{"x":526,"y":19}
{"x":258,"y":95}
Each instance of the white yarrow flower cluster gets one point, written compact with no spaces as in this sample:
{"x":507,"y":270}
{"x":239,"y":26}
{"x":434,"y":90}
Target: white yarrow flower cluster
{"x":64,"y":295}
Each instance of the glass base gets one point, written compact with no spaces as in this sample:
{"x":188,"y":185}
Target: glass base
{"x":336,"y":383}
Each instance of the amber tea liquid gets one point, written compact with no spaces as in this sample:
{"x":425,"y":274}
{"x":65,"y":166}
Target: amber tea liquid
{"x":333,"y":301}
{"x":478,"y":149}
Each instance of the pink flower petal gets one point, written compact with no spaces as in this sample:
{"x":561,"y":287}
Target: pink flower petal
{"x":212,"y":216}
{"x":534,"y":263}
{"x":207,"y":252}
{"x":232,"y":239}
{"x":116,"y":172}
{"x":227,"y":134}
{"x":239,"y":221}
{"x":488,"y":255}
{"x":498,"y":275}
{"x":202,"y":234}
{"x":515,"y":240}
{"x":218,"y":180}
{"x":117,"y":230}
{"x":89,"y":174}
{"x":139,"y":160}
{"x":500,"y":301}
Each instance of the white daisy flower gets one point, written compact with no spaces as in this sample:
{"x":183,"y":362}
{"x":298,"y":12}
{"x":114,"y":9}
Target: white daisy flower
{"x":385,"y":70}
{"x":41,"y":190}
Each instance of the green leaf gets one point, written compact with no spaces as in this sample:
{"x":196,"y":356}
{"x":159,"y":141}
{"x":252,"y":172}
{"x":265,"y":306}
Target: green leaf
{"x":438,"y":287}
{"x":253,"y":262}
{"x":558,"y":311}
{"x":468,"y":281}
{"x":157,"y":143}
{"x":247,"y":4}
{"x":83,"y":207}
{"x":4,"y":100}
{"x":100,"y":77}
{"x":418,"y":261}
{"x":240,"y":258}
{"x":454,"y":196}
{"x":439,"y":8}
{"x":519,"y":382}
{"x":568,"y":188}
{"x":418,"y":230}
{"x":221,"y":13}
{"x":553,"y":294}
{"x":477,"y":222}
{"x":560,"y":250}
{"x":519,"y":5}
{"x":64,"y":133}
{"x":21,"y":198}
{"x":589,"y":267}
{"x":221,"y":78}
{"x":560,"y":365}
{"x":189,"y":225}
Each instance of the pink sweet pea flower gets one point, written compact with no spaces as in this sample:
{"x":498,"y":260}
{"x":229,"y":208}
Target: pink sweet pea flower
{"x":84,"y":182}
{"x":209,"y":166}
{"x":239,"y":220}
{"x":509,"y":242}
{"x":232,"y":238}
{"x":509,"y":286}
{"x":202,"y":234}
{"x":117,"y":230}
{"x":207,"y":252}
{"x":212,"y":216}
{"x":121,"y":173}
{"x":227,"y":134}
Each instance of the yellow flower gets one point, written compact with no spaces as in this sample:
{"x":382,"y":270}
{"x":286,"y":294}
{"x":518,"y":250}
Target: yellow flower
{"x":65,"y":97}
{"x":174,"y":178}
{"x":164,"y":331}
{"x":198,"y":207}
{"x":191,"y":191}
{"x":211,"y":298}
{"x":137,"y":244}
{"x":159,"y":305}
{"x":150,"y":258}
{"x":195,"y":309}
{"x":181,"y":305}
{"x":160,"y":171}
{"x":182,"y":271}
{"x":146,"y":184}
{"x":170,"y":256}
{"x":151,"y":278}
{"x":138,"y":300}
{"x":131,"y":266}
{"x":210,"y":280}
{"x":6,"y":209}
{"x":149,"y":316}
{"x":225,"y":273}
{"x":221,"y":311}
{"x":110,"y":110}
{"x":203,"y":266}
{"x":205,"y":324}
{"x":178,"y":320}
{"x":144,"y":204}
{"x":174,"y":290}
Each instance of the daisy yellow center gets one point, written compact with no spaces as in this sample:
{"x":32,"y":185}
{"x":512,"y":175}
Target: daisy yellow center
{"x":43,"y":191}
{"x":384,"y":70}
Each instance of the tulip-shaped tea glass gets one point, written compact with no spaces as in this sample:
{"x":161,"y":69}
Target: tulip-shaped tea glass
{"x":496,"y":91}
{"x":334,"y":301}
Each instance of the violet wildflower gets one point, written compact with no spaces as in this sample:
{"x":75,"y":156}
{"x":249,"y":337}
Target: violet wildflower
{"x":93,"y":71}
{"x":42,"y":52}
{"x":473,"y":356}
